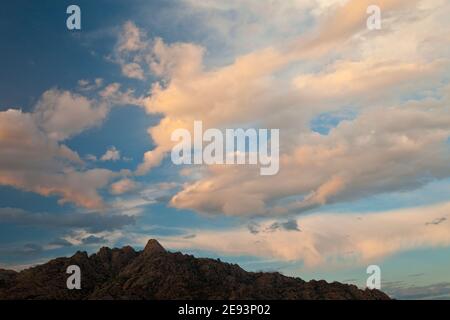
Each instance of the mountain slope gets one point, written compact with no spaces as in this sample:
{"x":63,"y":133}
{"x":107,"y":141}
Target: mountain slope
{"x":155,"y":273}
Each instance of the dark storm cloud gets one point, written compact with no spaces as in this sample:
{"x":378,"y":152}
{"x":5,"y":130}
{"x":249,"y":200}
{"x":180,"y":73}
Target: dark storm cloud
{"x":290,"y":225}
{"x":253,"y":227}
{"x":93,"y":240}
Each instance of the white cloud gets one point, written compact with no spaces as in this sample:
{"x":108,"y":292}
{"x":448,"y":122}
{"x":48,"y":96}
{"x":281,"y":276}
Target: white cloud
{"x":87,"y":85}
{"x":91,"y":157}
{"x":133,"y":70}
{"x":130,"y":49}
{"x":112,"y":154}
{"x":131,"y":38}
{"x":62,"y":114}
{"x":113,"y":94}
{"x":135,"y":202}
{"x":123,"y":186}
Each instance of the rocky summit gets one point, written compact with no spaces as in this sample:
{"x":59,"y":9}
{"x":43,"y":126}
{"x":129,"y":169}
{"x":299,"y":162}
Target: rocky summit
{"x":156,"y":274}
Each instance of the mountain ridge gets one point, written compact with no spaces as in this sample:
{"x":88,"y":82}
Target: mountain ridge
{"x":156,"y":274}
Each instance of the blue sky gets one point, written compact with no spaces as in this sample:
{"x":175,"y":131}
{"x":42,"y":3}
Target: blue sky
{"x":364,"y":135}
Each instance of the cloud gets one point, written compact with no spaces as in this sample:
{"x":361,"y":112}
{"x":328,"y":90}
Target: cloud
{"x":82,"y":237}
{"x":290,"y":225}
{"x":436,"y":221}
{"x":428,"y":292}
{"x":129,"y":51}
{"x":59,"y":243}
{"x":253,"y":227}
{"x":284,"y":83}
{"x":133,"y":70}
{"x":416,"y":275}
{"x":130,"y":39}
{"x":34,"y":161}
{"x":350,"y":18}
{"x":287,"y":84}
{"x":93,"y":240}
{"x":362,"y":80}
{"x":134,"y":203}
{"x":68,"y":221}
{"x":113,"y":94}
{"x":34,"y":156}
{"x":381,"y":150}
{"x":87,"y":85}
{"x":62,"y":114}
{"x":112,"y":154}
{"x":91,"y":157}
{"x":123,"y":186}
{"x":329,"y":240}
{"x":256,"y":23}
{"x":28,"y":250}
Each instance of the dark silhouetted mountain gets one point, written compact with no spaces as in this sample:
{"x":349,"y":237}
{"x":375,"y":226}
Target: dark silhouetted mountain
{"x":155,"y":273}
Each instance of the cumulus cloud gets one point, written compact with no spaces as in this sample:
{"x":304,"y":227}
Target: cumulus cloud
{"x":62,"y":114}
{"x":389,"y":145}
{"x":33,"y":160}
{"x":34,"y":156}
{"x":123,"y":186}
{"x":112,"y":154}
{"x":380,"y":151}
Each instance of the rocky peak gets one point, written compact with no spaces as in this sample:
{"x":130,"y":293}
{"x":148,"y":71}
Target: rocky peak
{"x":155,"y":274}
{"x":80,"y":255}
{"x":104,"y":252}
{"x":152,"y":247}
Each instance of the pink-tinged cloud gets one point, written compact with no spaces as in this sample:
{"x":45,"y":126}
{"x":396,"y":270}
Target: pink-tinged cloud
{"x":331,"y":240}
{"x":390,"y":145}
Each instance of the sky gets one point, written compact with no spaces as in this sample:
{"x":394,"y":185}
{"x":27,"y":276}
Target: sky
{"x":86,"y":118}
